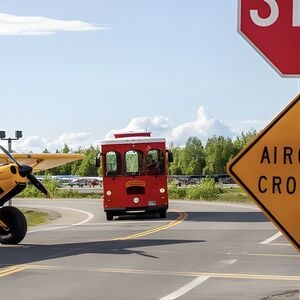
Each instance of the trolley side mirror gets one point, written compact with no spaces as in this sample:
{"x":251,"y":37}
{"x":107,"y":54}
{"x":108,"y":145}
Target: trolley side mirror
{"x":98,"y":161}
{"x":170,"y":157}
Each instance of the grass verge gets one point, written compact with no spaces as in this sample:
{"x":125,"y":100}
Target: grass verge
{"x":36,"y":217}
{"x":208,"y":190}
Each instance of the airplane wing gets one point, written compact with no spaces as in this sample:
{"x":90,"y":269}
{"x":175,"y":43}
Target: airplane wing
{"x":43,"y":161}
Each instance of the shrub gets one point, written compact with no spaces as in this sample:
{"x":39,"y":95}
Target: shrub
{"x":205,"y":190}
{"x":176,"y":192}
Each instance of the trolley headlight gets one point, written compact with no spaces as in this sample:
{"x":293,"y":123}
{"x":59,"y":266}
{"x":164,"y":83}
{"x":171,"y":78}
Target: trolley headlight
{"x":108,"y":193}
{"x":136,"y":200}
{"x":162,"y":190}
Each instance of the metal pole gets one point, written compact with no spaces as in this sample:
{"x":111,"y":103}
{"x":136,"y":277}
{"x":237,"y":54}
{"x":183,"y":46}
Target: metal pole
{"x":18,"y":135}
{"x":10,"y":151}
{"x":9,"y":145}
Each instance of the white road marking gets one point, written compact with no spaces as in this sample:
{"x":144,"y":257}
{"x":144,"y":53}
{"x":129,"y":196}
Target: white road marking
{"x":185,"y":289}
{"x":228,"y":262}
{"x":125,"y":223}
{"x":268,"y":240}
{"x":247,"y":206}
{"x":272,"y":238}
{"x":265,"y":242}
{"x":90,"y":216}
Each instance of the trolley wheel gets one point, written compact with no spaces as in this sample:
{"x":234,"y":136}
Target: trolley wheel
{"x":13,"y":225}
{"x":163,"y":213}
{"x":109,"y":216}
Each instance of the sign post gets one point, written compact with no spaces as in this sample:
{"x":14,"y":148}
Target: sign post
{"x":269,"y":170}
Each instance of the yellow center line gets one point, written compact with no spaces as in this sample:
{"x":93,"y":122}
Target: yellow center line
{"x":182,"y":216}
{"x":11,"y":270}
{"x":169,"y":273}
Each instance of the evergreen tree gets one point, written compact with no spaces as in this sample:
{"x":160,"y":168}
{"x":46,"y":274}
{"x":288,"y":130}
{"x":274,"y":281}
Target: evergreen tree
{"x":244,"y":139}
{"x":175,"y":168}
{"x":218,"y":152}
{"x":193,"y":160}
{"x":87,"y":166}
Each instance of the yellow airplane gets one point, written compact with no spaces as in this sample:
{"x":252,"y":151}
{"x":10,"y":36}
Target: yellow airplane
{"x":15,"y":172}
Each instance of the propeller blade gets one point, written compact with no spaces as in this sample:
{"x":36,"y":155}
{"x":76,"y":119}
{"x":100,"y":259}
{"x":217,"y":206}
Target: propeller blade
{"x":27,"y":171}
{"x":38,"y":185}
{"x":9,"y":155}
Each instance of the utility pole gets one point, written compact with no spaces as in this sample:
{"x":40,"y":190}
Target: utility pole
{"x":18,"y":135}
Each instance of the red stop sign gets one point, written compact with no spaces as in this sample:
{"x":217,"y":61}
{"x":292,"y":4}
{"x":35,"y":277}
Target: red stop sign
{"x":273,"y":28}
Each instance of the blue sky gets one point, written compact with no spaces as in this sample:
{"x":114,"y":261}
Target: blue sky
{"x":86,"y":68}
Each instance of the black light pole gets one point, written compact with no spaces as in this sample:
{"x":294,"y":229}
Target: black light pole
{"x":18,"y":135}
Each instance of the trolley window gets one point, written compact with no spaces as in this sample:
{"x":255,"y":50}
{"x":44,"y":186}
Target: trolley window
{"x":155,"y":162}
{"x":112,"y":163}
{"x":134,"y":163}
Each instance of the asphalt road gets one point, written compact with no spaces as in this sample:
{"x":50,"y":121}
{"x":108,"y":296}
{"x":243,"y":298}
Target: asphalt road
{"x":201,"y":251}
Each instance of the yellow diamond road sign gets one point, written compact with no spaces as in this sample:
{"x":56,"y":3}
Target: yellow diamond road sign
{"x":269,"y":170}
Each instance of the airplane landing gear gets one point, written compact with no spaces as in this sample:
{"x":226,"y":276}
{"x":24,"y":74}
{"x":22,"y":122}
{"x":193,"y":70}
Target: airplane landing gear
{"x":13,"y":225}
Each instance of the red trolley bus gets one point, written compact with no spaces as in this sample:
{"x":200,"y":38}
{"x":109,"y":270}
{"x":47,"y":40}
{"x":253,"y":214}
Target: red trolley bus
{"x":134,"y":169}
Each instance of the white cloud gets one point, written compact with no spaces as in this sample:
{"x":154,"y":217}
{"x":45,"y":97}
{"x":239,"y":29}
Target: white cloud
{"x":246,"y":125}
{"x":158,"y":125}
{"x":37,"y":144}
{"x":34,"y":25}
{"x":73,"y":140}
{"x":204,"y":126}
{"x":31,"y":144}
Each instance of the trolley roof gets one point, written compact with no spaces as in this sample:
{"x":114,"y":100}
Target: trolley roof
{"x":133,"y":140}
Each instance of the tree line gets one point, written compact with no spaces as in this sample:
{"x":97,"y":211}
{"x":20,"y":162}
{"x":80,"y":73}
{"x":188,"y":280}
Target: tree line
{"x":194,"y":158}
{"x":84,"y":167}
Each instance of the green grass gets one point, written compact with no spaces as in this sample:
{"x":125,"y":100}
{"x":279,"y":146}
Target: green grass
{"x":206,"y":191}
{"x":209,"y":191}
{"x":35,"y":217}
{"x":231,"y":196}
{"x":51,"y":185}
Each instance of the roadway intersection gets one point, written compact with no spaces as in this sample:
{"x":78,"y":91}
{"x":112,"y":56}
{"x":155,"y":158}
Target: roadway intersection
{"x":201,"y":251}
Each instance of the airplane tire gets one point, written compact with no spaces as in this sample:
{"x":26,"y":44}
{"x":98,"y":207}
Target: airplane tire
{"x":16,"y":222}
